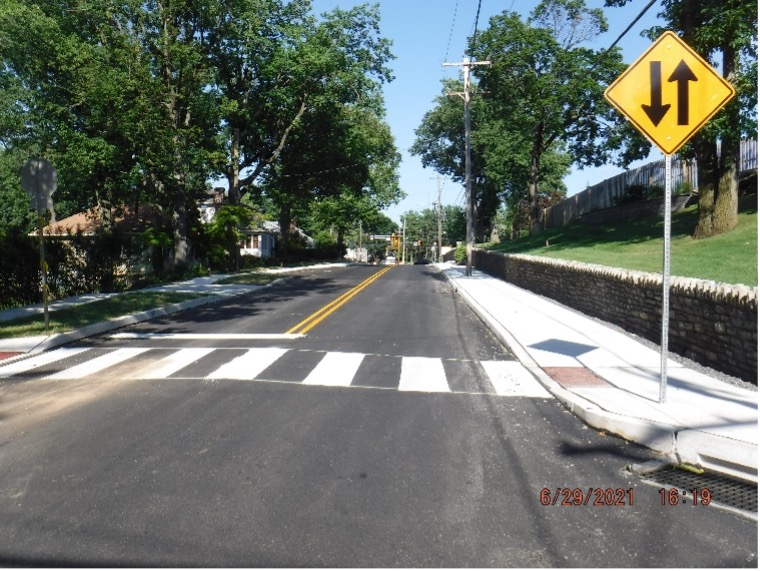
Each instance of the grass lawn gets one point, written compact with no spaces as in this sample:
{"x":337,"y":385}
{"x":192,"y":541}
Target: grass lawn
{"x":637,"y":245}
{"x":94,"y":312}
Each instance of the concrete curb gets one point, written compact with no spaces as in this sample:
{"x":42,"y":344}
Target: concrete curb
{"x":735,"y":457}
{"x":119,"y":322}
{"x":40,"y":344}
{"x":681,"y":445}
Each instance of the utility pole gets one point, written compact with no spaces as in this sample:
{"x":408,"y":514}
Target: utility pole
{"x":466,"y":64}
{"x":359,"y":253}
{"x":403,"y":241}
{"x":440,"y":221}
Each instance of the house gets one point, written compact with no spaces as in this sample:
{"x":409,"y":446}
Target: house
{"x":261,"y":240}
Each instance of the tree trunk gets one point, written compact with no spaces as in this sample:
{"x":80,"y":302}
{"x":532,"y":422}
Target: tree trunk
{"x":707,"y":167}
{"x":536,"y":224}
{"x":727,"y":192}
{"x":179,"y":228}
{"x":726,"y":215}
{"x":233,"y":177}
{"x":285,"y":218}
{"x":535,"y":215}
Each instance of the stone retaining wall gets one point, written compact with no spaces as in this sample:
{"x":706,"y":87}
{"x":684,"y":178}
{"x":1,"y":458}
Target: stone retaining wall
{"x":711,"y":323}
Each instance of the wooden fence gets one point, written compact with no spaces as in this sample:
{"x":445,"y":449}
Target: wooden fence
{"x":606,"y":193}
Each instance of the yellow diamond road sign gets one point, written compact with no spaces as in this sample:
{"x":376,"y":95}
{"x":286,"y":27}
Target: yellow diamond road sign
{"x":669,"y":93}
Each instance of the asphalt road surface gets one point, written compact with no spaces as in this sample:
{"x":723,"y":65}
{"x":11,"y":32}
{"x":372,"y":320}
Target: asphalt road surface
{"x":348,"y":417}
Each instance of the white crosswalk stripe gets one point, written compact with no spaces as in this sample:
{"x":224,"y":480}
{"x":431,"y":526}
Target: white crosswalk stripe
{"x":327,"y":368}
{"x":510,"y":378}
{"x":98,"y":364}
{"x":423,"y":374}
{"x":335,"y":370}
{"x":248,"y":366}
{"x":39,"y":361}
{"x":171,"y":363}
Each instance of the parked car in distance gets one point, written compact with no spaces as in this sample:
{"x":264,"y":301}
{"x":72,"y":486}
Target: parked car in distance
{"x":390,"y":261}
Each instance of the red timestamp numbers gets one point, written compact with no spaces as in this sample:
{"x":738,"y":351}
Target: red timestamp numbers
{"x":586,"y":497}
{"x":677,"y":497}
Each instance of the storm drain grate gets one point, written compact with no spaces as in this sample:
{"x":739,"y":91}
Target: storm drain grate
{"x":723,"y":490}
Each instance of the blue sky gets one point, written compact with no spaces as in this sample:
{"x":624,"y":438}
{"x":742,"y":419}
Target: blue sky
{"x":425,"y":33}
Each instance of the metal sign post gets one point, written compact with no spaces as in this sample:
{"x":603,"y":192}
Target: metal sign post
{"x":39,"y":180}
{"x":668,"y":94}
{"x":665,"y":284}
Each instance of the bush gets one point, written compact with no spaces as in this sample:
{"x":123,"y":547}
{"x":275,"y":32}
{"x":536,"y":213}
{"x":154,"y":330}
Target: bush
{"x":76,"y":265}
{"x":684,"y":189}
{"x":20,"y":271}
{"x":248,"y":262}
{"x":460,"y":255}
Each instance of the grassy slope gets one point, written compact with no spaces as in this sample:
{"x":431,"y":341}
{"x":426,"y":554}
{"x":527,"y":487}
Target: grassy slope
{"x":637,"y":245}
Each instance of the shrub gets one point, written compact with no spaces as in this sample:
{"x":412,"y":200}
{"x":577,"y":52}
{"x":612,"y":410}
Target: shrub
{"x":460,"y":256}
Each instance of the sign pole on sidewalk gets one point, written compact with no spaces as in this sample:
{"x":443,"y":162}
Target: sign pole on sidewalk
{"x":668,"y":94}
{"x":665,"y":283}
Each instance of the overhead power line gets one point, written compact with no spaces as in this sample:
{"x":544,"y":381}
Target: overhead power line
{"x":451,"y":31}
{"x":475,"y":27}
{"x":319,"y":172}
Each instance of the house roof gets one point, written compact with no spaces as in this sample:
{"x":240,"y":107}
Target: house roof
{"x":125,"y":220}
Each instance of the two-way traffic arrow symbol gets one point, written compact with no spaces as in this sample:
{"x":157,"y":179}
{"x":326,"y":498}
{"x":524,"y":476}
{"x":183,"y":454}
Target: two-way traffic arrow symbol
{"x":683,"y":75}
{"x":656,"y":110}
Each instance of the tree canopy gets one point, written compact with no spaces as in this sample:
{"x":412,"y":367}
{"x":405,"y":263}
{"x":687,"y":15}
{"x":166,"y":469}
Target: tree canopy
{"x":541,"y":109}
{"x":147,"y":101}
{"x":724,"y":33}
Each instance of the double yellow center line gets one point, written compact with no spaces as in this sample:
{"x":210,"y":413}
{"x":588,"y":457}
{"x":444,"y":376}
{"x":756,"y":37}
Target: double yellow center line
{"x":318,"y":316}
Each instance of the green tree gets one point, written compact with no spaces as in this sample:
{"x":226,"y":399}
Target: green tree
{"x":176,"y":37}
{"x":723,"y":32}
{"x":65,"y":96}
{"x":259,"y":50}
{"x":115,"y":95}
{"x":146,"y":100}
{"x":440,"y":144}
{"x":16,"y":213}
{"x":421,"y":226}
{"x":454,"y":224}
{"x":356,"y":154}
{"x":548,"y":89}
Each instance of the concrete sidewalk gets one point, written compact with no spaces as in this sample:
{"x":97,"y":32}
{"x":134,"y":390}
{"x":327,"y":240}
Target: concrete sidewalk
{"x":612,"y":381}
